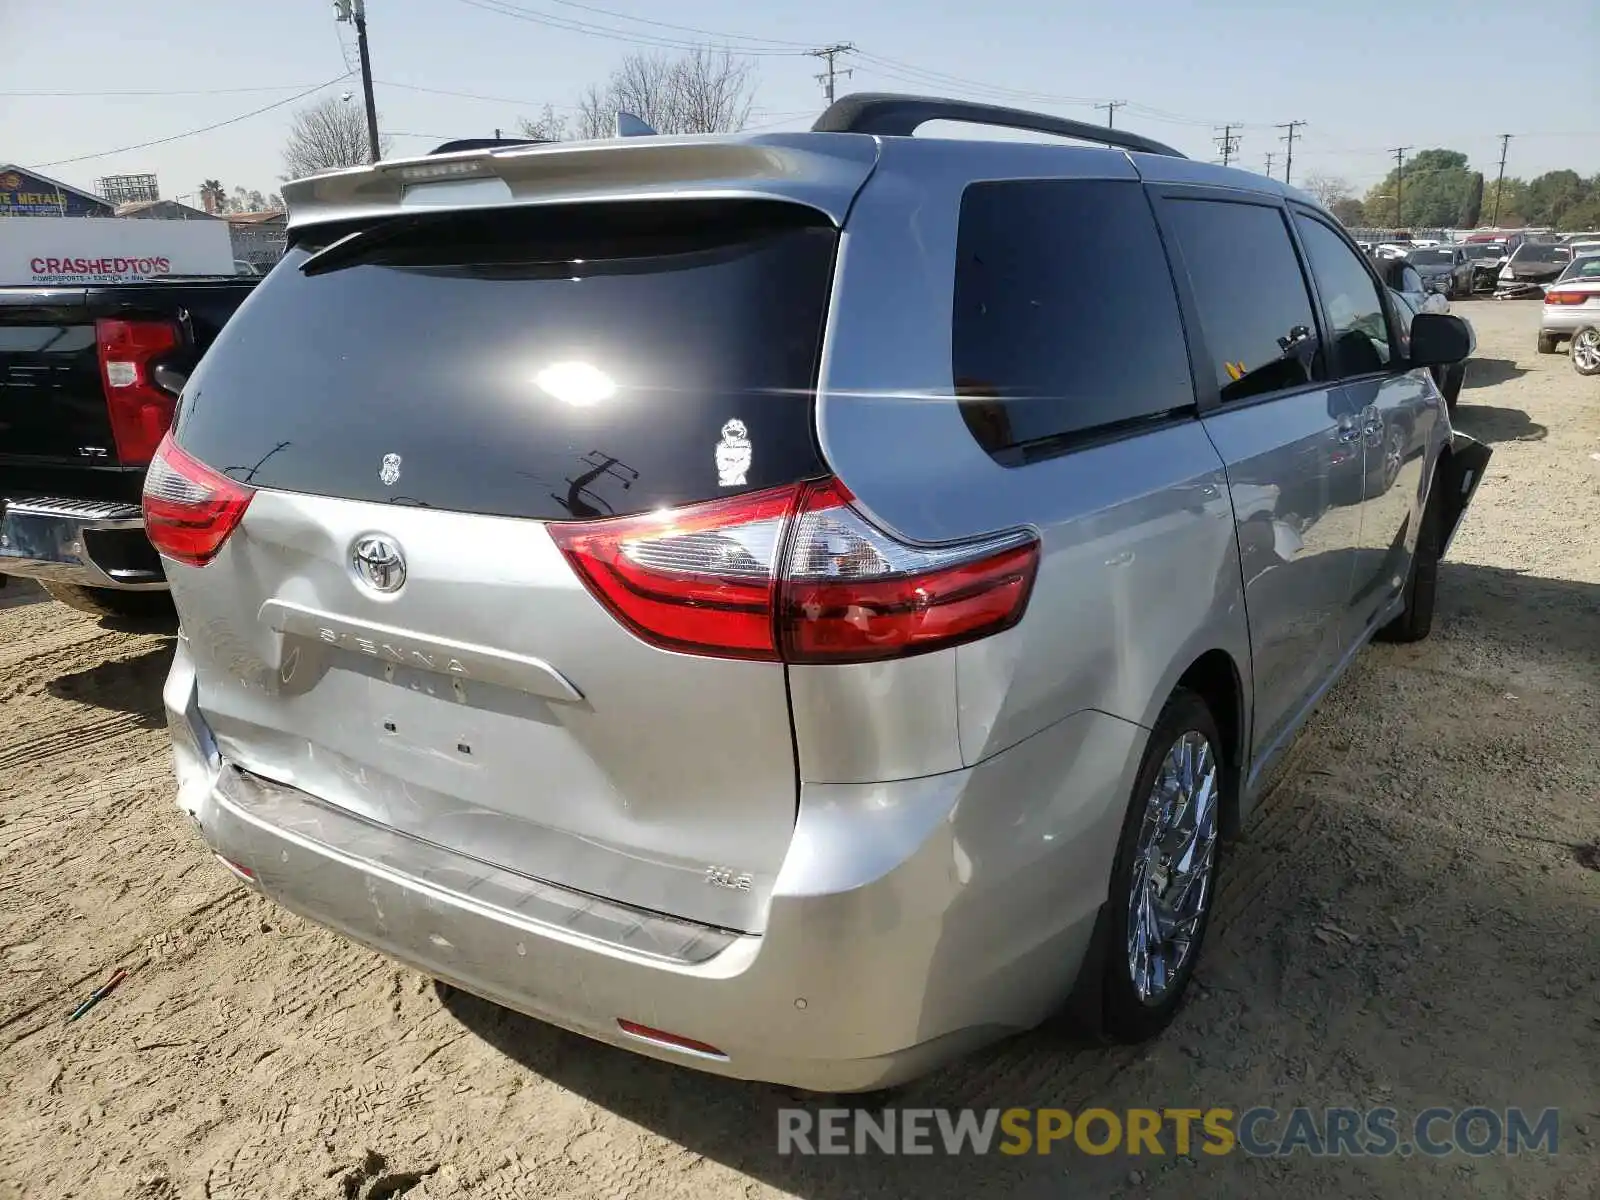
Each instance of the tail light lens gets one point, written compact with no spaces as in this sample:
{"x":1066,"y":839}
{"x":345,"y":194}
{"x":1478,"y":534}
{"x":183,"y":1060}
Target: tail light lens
{"x":854,"y":594}
{"x":189,"y":509}
{"x":140,"y":410}
{"x":1566,"y":297}
{"x":796,"y":574}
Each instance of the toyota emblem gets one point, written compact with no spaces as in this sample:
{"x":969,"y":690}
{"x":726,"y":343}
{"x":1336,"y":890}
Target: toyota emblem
{"x":378,"y":563}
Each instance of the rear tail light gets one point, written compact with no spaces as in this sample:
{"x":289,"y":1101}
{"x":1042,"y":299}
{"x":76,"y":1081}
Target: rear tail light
{"x":796,"y":574}
{"x":673,"y":1041}
{"x":189,"y":509}
{"x":1566,"y":297}
{"x":140,"y":410}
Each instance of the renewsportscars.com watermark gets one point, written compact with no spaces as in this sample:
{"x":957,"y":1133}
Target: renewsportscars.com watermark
{"x":1260,"y":1132}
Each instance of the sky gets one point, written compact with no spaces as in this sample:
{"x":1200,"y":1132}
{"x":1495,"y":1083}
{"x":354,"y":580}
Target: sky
{"x":1364,"y":75}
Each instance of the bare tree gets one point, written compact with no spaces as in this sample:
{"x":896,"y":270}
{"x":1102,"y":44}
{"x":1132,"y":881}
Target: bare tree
{"x":702,"y":91}
{"x":326,"y":136}
{"x":714,"y":91}
{"x":1328,"y":189}
{"x":548,"y":126}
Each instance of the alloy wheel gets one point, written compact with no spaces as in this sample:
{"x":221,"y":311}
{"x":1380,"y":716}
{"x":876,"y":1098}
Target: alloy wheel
{"x":1586,"y":349}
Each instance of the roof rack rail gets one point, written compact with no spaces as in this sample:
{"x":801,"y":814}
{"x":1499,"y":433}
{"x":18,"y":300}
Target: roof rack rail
{"x":894,"y":115}
{"x":484,"y":144}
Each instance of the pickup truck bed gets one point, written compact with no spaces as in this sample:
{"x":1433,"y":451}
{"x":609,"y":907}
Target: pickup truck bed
{"x":89,"y":376}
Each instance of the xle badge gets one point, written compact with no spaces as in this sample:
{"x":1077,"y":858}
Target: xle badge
{"x":733,"y":455}
{"x":389,"y":472}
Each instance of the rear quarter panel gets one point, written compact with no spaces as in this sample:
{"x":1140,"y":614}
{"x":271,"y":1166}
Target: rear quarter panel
{"x":1140,"y":571}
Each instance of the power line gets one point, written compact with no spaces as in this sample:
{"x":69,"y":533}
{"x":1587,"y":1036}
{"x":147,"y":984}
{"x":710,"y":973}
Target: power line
{"x":414,"y":87}
{"x":282,"y":87}
{"x":1111,"y":107}
{"x":1292,"y":127}
{"x":826,"y":78}
{"x":58,"y":162}
{"x":1229,"y":142}
{"x":610,"y":33}
{"x":733,"y":37}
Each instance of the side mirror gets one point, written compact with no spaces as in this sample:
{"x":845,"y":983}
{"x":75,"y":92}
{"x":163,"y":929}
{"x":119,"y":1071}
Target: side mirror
{"x":1439,"y":339}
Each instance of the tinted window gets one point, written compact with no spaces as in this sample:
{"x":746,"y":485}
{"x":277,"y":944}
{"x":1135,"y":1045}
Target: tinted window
{"x":548,"y":363}
{"x":1533,"y":252}
{"x":1065,"y":318}
{"x":1252,"y":297}
{"x":1434,"y":257}
{"x":1358,"y":329}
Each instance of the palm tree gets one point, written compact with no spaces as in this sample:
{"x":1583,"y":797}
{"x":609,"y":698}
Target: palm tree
{"x":213,"y":196}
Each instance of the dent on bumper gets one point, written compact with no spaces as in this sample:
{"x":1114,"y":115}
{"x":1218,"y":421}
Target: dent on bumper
{"x":911,"y":921}
{"x":56,"y":539}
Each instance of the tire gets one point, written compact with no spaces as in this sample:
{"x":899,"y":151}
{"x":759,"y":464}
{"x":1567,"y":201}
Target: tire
{"x":1133,"y":1012}
{"x":1548,"y":343}
{"x":1415,"y":621}
{"x":137,"y":609}
{"x":1586,"y":350}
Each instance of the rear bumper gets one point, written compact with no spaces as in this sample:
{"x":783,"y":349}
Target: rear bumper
{"x":1565,"y":321}
{"x":911,"y":922}
{"x":91,"y":543}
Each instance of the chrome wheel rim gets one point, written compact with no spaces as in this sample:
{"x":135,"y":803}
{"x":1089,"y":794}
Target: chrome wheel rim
{"x":1174,"y":861}
{"x":1586,"y":349}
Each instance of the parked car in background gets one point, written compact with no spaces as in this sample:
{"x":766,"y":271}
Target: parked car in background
{"x":1580,"y":248}
{"x":1411,"y":300}
{"x":1486,"y":258}
{"x":1571,"y":303}
{"x":1530,"y":267}
{"x":1444,"y":269}
{"x":89,"y":378}
{"x":1588,"y":235}
{"x":691,"y":773}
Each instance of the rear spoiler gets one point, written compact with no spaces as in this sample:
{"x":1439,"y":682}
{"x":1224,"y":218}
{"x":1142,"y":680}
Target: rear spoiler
{"x":823,"y":172}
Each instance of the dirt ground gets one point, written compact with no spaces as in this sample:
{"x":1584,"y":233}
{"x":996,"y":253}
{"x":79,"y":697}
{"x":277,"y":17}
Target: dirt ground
{"x":1410,"y":919}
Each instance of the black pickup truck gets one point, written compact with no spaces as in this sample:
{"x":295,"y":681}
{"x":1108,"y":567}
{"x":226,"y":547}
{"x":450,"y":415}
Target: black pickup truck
{"x":89,"y":378}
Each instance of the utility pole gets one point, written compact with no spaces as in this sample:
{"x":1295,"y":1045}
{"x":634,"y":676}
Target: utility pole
{"x":356,"y":11}
{"x":1288,"y":163}
{"x":1230,"y":143}
{"x":1399,"y":153}
{"x":826,"y":78}
{"x":1499,"y":183}
{"x":1269,"y":164}
{"x":1111,"y":107}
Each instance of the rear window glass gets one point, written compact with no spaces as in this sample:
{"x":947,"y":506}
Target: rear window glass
{"x":1534,"y":252}
{"x":551,"y":363}
{"x":1065,"y":321}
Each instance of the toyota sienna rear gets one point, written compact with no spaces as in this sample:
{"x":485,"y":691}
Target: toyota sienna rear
{"x":642,"y":583}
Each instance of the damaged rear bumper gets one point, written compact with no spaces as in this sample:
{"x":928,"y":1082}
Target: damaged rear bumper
{"x":907,"y":926}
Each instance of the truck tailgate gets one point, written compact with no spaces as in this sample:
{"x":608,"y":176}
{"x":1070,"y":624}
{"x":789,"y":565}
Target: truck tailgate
{"x":52,"y":405}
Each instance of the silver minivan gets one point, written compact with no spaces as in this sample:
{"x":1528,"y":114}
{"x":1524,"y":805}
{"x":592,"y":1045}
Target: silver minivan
{"x":796,"y":605}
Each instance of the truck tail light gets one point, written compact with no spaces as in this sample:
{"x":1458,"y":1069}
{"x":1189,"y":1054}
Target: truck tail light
{"x":796,"y":574}
{"x":189,"y":509}
{"x":140,"y":409}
